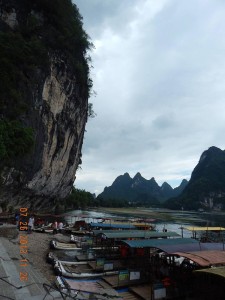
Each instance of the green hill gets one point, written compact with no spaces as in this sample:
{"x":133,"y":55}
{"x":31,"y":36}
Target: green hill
{"x":138,"y":191}
{"x":206,"y":188}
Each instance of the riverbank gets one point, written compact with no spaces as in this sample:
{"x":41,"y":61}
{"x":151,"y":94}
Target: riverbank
{"x":137,"y":212}
{"x":37,"y":247}
{"x":213,"y":218}
{"x":23,"y":266}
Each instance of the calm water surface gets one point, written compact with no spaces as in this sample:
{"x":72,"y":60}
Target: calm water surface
{"x":171,"y":220}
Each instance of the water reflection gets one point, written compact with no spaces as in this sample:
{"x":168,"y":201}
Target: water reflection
{"x":166,"y":219}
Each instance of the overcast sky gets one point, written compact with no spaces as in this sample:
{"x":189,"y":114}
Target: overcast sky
{"x":159,"y":75}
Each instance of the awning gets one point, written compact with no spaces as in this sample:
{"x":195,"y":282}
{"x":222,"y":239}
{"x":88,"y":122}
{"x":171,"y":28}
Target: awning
{"x":166,"y":245}
{"x":205,"y":258}
{"x":212,"y":246}
{"x":138,"y":234}
{"x":197,"y":228}
{"x":108,"y":225}
{"x":219,"y":271}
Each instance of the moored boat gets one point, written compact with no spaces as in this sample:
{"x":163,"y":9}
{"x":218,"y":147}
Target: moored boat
{"x":87,"y":289}
{"x":69,"y":246}
{"x":69,"y":270}
{"x":63,"y":246}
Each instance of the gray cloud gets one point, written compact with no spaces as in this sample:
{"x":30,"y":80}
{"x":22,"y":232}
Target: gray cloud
{"x":159,"y":74}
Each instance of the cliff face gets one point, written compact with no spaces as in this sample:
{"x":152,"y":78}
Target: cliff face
{"x":55,"y":91}
{"x":206,"y":188}
{"x":63,"y":117}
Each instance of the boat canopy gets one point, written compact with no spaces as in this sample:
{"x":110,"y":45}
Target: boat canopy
{"x":212,"y":246}
{"x":123,"y":234}
{"x":197,"y":228}
{"x":166,"y":245}
{"x":108,"y":225}
{"x":219,"y":271}
{"x":205,"y":258}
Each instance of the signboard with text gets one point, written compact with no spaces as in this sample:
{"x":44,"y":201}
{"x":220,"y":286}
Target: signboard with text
{"x":123,"y":275}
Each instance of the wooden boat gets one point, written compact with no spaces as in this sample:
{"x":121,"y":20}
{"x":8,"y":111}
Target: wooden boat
{"x":79,"y":255}
{"x":69,"y":246}
{"x":70,"y":270}
{"x":63,"y":246}
{"x":87,"y":289}
{"x":77,"y":239}
{"x":52,"y":257}
{"x":44,"y":229}
{"x":95,"y":264}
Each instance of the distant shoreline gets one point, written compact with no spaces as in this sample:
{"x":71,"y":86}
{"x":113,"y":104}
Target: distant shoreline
{"x":163,"y":215}
{"x":136,"y":212}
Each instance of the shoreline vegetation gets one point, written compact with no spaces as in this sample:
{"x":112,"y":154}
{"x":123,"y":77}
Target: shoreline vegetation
{"x":166,"y":215}
{"x":147,"y":211}
{"x":137,"y":212}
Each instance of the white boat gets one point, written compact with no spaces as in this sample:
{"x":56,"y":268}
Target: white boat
{"x":66,"y":270}
{"x":75,"y":238}
{"x":67,"y":246}
{"x":52,"y":258}
{"x":44,"y":230}
{"x":63,"y":246}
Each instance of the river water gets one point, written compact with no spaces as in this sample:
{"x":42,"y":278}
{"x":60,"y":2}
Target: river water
{"x":165,"y":219}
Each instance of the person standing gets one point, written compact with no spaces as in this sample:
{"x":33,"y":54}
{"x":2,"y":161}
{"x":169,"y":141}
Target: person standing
{"x":31,"y":224}
{"x":55,"y":227}
{"x":60,"y":227}
{"x":17,"y":218}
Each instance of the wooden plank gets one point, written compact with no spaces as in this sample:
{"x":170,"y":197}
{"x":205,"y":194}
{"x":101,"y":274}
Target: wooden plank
{"x":144,"y":291}
{"x":114,"y":281}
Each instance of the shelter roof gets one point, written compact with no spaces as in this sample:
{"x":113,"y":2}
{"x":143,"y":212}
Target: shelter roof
{"x":205,"y":258}
{"x":198,"y":228}
{"x":138,"y":234}
{"x":218,"y":271}
{"x":166,"y":245}
{"x":108,"y":225}
{"x":212,"y":246}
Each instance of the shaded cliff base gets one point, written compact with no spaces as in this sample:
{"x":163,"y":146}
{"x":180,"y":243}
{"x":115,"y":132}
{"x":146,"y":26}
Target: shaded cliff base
{"x":11,"y":201}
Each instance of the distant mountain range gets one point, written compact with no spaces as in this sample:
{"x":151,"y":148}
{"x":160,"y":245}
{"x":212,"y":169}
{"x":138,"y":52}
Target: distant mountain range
{"x":139,"y":190}
{"x":205,"y":190}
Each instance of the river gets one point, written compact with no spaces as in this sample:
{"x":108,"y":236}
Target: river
{"x":168,"y":219}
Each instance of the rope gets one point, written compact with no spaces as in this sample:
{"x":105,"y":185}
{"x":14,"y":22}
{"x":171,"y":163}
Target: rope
{"x":48,"y":287}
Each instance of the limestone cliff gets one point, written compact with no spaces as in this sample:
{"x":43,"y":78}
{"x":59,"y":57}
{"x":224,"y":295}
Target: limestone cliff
{"x":51,"y":83}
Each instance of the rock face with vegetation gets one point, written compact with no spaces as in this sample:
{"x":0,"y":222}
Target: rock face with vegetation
{"x":138,"y":191}
{"x":44,"y":91}
{"x":206,"y":188}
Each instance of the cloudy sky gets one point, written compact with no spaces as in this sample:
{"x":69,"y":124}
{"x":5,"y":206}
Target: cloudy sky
{"x":159,"y":75}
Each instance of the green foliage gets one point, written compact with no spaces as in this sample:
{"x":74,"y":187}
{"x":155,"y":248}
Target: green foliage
{"x":4,"y":205}
{"x":18,"y":58}
{"x":91,"y":113}
{"x":66,"y":33}
{"x":78,"y":199}
{"x":207,"y":181}
{"x":111,"y":202}
{"x":15,"y":140}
